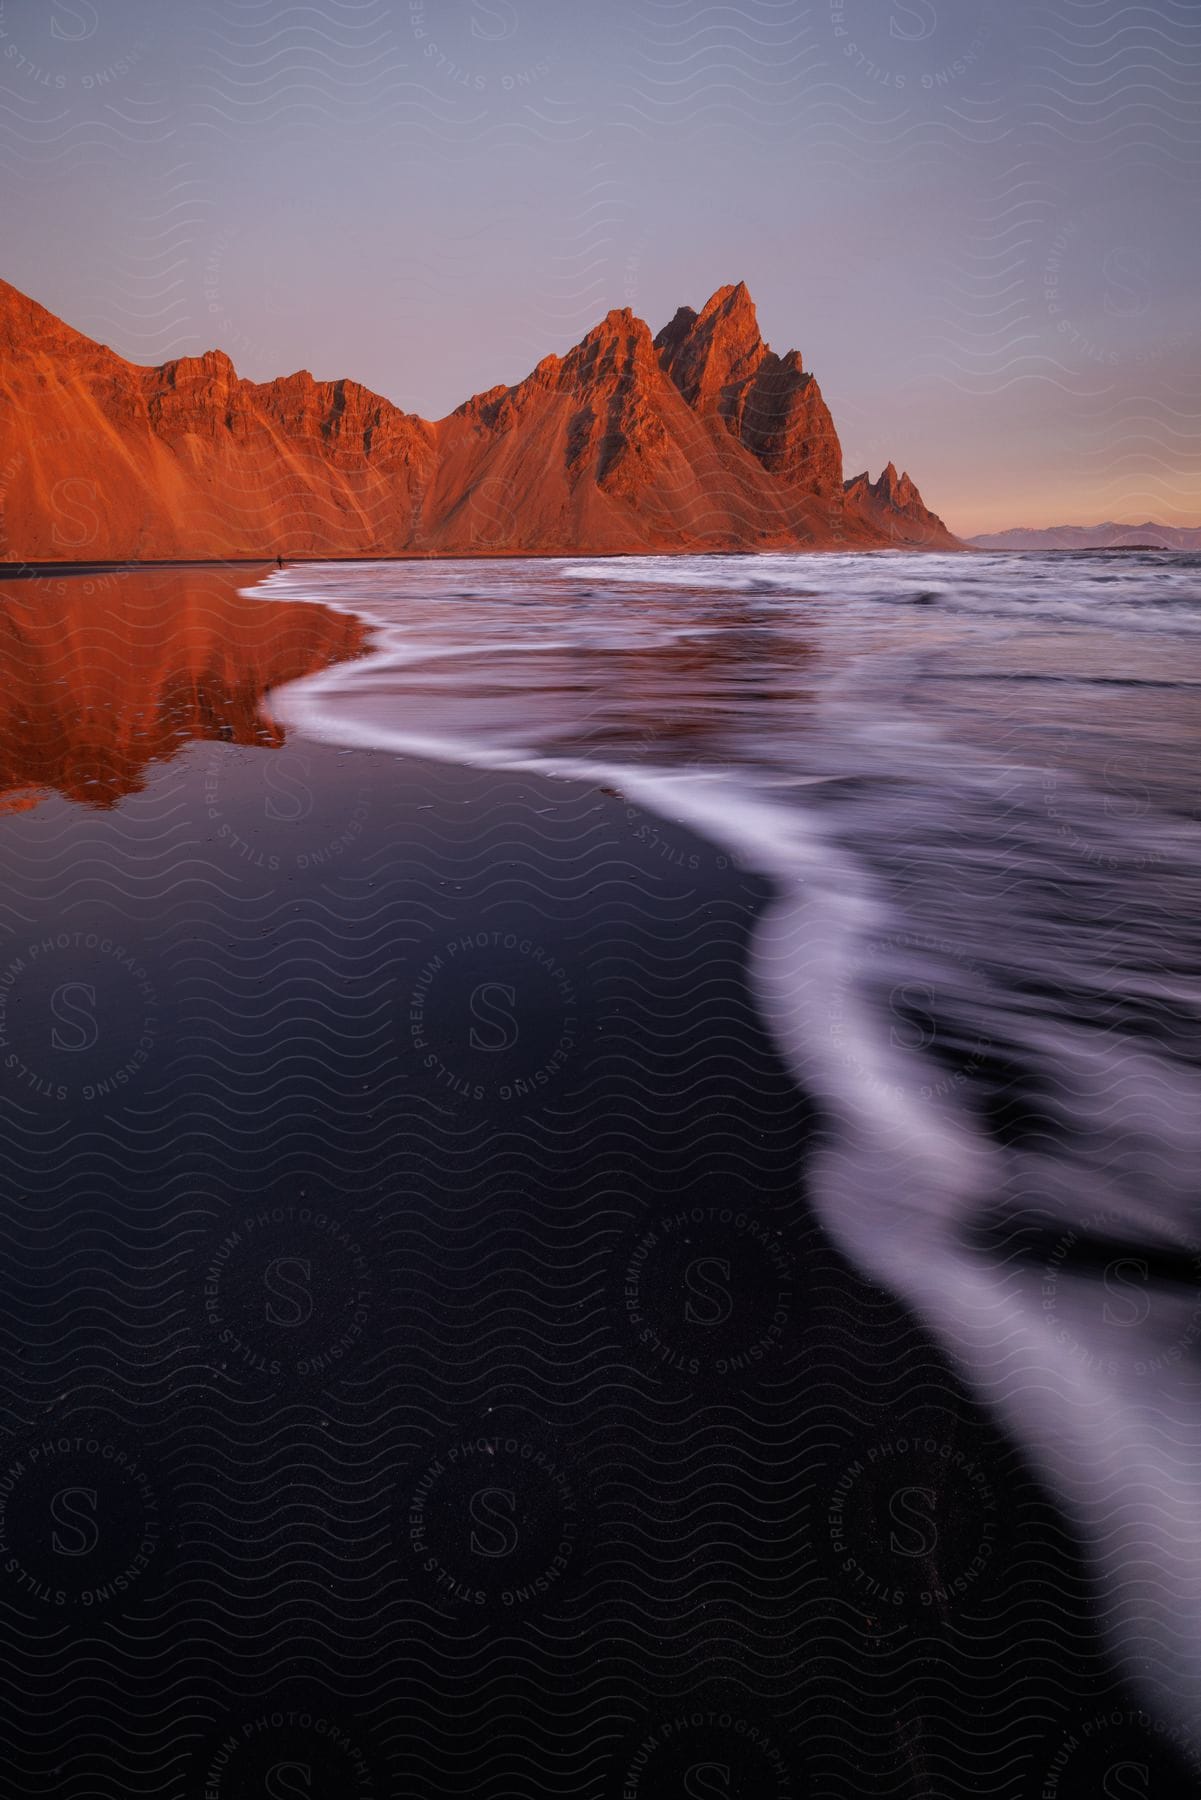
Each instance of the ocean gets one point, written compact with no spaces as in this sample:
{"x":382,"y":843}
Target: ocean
{"x":629,"y":1170}
{"x":973,"y":784}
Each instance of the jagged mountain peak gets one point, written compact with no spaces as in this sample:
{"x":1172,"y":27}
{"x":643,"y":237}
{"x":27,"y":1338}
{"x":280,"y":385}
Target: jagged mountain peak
{"x":731,"y":304}
{"x":704,"y":352}
{"x":700,"y":438}
{"x":719,"y":363}
{"x":893,"y":503}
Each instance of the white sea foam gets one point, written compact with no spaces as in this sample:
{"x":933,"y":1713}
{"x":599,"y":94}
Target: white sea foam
{"x":973,"y":783}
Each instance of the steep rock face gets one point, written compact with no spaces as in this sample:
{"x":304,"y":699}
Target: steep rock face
{"x":895,"y":507}
{"x":200,"y":395}
{"x":101,"y":459}
{"x":595,"y":450}
{"x":701,"y":438}
{"x":770,"y":403}
{"x":713,"y":354}
{"x":615,"y":436}
{"x":616,"y":433}
{"x":601,"y":450}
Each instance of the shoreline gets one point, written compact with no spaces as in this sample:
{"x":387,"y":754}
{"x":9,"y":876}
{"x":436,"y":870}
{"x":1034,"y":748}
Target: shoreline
{"x":17,"y":571}
{"x":480,"y":1045}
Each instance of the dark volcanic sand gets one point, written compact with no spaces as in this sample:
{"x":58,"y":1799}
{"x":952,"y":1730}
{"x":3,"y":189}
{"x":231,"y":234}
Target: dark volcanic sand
{"x":420,"y":1366}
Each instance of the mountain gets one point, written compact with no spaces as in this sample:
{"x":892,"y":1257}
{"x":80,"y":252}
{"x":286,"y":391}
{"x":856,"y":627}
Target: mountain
{"x":701,"y":438}
{"x":894,"y":505}
{"x":1094,"y":537}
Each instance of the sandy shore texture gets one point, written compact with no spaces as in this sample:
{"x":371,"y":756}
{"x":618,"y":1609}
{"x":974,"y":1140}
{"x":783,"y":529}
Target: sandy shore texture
{"x":408,"y":1260}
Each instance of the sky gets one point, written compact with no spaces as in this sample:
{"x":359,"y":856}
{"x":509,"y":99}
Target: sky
{"x":978,"y":220}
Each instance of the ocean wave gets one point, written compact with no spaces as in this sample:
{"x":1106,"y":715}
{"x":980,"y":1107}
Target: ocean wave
{"x":981,"y":959}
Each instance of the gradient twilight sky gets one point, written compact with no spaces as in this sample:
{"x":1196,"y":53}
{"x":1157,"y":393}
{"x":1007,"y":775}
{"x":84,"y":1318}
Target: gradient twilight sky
{"x":979,"y":220}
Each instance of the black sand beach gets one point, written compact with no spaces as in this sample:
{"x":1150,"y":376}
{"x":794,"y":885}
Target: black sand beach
{"x":421,"y":1366}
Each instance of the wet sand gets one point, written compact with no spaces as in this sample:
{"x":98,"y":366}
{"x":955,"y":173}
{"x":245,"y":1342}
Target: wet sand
{"x":408,"y":1252}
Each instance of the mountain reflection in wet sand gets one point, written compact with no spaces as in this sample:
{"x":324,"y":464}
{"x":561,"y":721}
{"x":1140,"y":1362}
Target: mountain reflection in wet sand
{"x":101,"y":676}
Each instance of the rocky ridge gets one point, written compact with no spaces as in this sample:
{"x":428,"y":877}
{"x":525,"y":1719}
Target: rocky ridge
{"x":700,"y":438}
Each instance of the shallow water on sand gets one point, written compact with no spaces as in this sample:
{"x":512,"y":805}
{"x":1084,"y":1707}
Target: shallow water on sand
{"x":974,"y":783}
{"x":596,"y":1174}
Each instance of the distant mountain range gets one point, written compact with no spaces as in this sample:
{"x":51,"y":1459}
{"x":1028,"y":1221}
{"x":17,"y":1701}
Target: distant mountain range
{"x":698,"y":439}
{"x":1094,"y":537}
